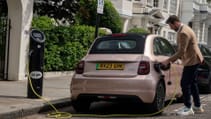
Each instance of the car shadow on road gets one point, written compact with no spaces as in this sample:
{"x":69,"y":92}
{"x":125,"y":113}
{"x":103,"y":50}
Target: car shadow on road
{"x":111,"y":109}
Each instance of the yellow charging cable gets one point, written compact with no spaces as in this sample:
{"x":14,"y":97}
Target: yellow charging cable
{"x":62,"y":115}
{"x":57,"y":114}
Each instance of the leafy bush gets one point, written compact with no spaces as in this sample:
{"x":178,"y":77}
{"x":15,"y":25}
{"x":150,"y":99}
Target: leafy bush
{"x":42,"y":23}
{"x":138,"y":30}
{"x":52,"y":59}
{"x":64,"y":45}
{"x":62,"y":11}
{"x":71,"y":53}
{"x":110,"y":18}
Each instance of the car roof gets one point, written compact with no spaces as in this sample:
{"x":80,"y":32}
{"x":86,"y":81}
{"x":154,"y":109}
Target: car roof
{"x":138,"y":37}
{"x":127,"y":35}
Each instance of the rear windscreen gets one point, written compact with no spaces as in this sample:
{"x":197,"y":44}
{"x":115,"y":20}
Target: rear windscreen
{"x":117,"y":45}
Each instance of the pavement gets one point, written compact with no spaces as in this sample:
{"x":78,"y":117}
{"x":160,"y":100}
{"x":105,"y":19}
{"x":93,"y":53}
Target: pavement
{"x":15,"y":104}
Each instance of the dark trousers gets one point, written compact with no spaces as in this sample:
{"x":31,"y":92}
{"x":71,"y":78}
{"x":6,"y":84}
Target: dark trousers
{"x":189,"y":86}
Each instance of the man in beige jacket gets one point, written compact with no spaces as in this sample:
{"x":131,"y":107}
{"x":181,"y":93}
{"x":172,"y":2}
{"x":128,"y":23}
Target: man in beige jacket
{"x":188,"y":51}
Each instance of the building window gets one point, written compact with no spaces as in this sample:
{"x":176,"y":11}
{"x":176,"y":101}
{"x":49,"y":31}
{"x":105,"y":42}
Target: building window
{"x":165,"y":4}
{"x":164,"y":34}
{"x":155,"y":3}
{"x":190,"y":24}
{"x":149,"y":2}
{"x":171,"y":37}
{"x":173,"y":6}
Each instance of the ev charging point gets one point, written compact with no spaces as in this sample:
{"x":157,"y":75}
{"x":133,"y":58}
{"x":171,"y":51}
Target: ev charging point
{"x":36,"y":61}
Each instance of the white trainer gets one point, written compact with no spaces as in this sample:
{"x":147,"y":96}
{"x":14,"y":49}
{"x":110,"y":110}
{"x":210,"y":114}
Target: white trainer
{"x":185,"y":111}
{"x":198,"y":110}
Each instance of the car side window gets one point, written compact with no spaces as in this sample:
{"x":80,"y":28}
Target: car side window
{"x":163,"y":47}
{"x":168,"y":49}
{"x":127,"y":44}
{"x":156,"y":47}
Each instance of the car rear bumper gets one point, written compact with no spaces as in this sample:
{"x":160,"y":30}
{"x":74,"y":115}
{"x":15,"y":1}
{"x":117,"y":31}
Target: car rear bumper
{"x":144,"y":89}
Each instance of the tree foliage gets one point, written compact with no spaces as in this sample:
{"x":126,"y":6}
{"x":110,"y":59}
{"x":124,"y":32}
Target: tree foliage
{"x":60,"y":10}
{"x":138,"y":30}
{"x":43,"y":23}
{"x":109,"y":19}
{"x":3,"y":8}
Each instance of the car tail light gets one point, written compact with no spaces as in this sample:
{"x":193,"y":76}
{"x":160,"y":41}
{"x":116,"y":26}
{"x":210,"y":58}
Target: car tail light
{"x":143,"y":68}
{"x":80,"y":67}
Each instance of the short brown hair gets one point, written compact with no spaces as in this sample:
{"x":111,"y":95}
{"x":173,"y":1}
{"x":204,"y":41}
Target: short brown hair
{"x":172,"y":19}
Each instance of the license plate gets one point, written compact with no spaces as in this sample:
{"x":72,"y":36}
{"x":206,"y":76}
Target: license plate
{"x":110,"y":66}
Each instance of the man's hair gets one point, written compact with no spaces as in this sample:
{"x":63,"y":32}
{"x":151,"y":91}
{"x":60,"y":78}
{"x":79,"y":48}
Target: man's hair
{"x":172,"y":19}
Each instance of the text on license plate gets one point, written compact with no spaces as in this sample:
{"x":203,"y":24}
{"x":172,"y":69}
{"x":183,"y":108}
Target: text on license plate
{"x":110,"y":66}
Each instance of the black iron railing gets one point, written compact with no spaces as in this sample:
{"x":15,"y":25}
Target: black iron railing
{"x":3,"y":37}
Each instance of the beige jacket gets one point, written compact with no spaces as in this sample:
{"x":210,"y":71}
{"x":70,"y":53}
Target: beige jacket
{"x":188,"y":49}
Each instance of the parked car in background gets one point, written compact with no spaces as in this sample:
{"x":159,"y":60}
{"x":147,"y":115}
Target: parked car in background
{"x":204,"y":70}
{"x":124,"y":67}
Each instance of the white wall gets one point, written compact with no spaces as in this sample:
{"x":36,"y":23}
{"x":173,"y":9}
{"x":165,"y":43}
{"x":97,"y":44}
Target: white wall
{"x":209,"y":36}
{"x":124,"y":7}
{"x":186,"y":13}
{"x":20,"y":13}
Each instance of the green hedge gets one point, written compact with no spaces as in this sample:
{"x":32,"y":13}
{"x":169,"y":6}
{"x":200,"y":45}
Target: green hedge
{"x":64,"y":45}
{"x":138,"y":30}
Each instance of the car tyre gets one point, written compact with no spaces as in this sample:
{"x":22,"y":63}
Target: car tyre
{"x":179,"y":99}
{"x":158,"y":104}
{"x":81,"y":105}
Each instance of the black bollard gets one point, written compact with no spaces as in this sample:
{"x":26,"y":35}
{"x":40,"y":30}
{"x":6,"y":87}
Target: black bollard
{"x":36,"y":61}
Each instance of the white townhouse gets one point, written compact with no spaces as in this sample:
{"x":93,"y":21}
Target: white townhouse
{"x":152,"y":14}
{"x":148,"y":14}
{"x":197,"y":13}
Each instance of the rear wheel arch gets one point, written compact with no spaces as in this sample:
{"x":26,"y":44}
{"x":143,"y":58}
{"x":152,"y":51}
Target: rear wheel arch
{"x":162,"y":80}
{"x":158,"y":103}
